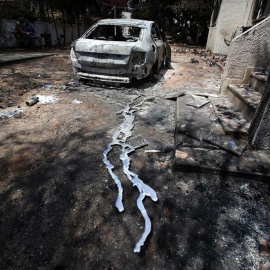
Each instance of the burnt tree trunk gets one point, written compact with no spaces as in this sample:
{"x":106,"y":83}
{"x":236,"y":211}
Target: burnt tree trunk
{"x":42,"y":10}
{"x":64,"y":26}
{"x":54,"y":21}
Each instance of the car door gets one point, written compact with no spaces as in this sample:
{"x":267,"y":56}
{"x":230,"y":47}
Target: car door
{"x":156,"y":36}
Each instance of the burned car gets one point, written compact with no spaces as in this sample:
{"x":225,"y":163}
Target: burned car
{"x":118,"y":50}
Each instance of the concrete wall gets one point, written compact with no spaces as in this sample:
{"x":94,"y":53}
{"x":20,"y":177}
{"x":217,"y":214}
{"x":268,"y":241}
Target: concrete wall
{"x":250,"y":49}
{"x":42,"y":27}
{"x":233,"y":14}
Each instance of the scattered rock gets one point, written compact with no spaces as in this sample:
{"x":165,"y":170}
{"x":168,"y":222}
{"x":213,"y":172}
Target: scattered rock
{"x":245,"y":192}
{"x":75,"y":101}
{"x":200,"y":188}
{"x":263,"y":247}
{"x":178,"y":184}
{"x":266,"y":266}
{"x":244,"y":187}
{"x":165,"y":187}
{"x":194,"y":61}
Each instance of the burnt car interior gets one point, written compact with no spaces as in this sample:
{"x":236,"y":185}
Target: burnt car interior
{"x":116,"y":33}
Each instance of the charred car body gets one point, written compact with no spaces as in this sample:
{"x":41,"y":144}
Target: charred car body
{"x":117,"y":50}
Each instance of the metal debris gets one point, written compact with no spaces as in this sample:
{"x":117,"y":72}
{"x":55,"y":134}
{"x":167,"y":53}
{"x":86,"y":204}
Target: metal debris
{"x":32,"y":101}
{"x":9,"y":114}
{"x":120,"y":138}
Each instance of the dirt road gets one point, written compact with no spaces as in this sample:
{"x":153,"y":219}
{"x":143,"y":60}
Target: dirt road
{"x":57,"y":198}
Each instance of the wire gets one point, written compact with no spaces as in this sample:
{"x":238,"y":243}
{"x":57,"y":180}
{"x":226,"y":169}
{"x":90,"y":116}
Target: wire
{"x":106,"y":4}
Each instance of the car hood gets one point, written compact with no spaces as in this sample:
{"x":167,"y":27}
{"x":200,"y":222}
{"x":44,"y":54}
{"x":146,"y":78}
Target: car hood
{"x":107,"y":47}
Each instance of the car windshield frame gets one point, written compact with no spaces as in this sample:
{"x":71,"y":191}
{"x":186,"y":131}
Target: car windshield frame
{"x":116,"y":32}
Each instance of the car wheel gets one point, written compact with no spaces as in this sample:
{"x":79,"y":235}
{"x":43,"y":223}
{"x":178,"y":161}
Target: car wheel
{"x":167,"y":62}
{"x":163,"y":61}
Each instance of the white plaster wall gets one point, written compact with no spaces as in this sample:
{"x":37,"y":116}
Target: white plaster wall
{"x":211,"y":38}
{"x":9,"y":26}
{"x":42,"y":27}
{"x":250,"y":49}
{"x":232,"y":14}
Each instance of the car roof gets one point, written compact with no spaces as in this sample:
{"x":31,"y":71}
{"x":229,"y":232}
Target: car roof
{"x":132,"y":22}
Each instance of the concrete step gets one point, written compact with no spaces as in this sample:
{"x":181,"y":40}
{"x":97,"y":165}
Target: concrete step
{"x":202,"y":145}
{"x":251,"y":164}
{"x":231,"y":119}
{"x":245,"y":98}
{"x":189,"y":118}
{"x":258,"y":80}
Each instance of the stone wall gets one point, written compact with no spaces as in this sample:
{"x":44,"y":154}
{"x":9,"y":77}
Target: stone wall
{"x":250,"y":49}
{"x":233,"y":14}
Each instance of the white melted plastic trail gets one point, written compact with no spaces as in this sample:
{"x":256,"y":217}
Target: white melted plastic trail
{"x":119,"y":138}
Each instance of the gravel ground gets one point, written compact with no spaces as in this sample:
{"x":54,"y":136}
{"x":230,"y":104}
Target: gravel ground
{"x":57,"y":198}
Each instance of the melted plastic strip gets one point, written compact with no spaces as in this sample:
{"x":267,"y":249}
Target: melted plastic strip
{"x":125,"y":132}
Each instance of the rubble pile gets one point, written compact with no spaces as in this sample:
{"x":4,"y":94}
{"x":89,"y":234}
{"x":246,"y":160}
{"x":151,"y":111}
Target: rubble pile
{"x":201,"y":52}
{"x":217,"y":59}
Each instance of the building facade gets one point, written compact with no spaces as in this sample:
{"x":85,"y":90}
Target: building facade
{"x":231,"y":18}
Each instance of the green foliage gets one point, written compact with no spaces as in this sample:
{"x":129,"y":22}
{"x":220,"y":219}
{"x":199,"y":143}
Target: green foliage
{"x":17,"y":9}
{"x":65,"y":11}
{"x":180,"y":18}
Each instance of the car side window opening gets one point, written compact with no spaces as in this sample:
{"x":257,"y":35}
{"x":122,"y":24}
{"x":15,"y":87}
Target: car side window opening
{"x":155,"y":32}
{"x":116,"y":33}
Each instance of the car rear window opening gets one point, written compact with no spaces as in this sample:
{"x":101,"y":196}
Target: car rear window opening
{"x":116,"y":33}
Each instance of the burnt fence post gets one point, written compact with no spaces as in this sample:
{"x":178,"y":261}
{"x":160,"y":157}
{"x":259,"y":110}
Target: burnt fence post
{"x":259,"y":131}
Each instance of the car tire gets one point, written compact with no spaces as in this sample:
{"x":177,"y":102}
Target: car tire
{"x":163,"y":61}
{"x":154,"y":69}
{"x":167,"y":62}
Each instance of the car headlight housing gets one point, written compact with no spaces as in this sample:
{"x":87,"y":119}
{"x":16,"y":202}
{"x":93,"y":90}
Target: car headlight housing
{"x":72,"y":53}
{"x":138,"y":58}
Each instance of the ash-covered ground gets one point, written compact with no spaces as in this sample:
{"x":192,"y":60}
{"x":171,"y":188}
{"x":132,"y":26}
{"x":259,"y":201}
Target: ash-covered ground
{"x":57,"y":198}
